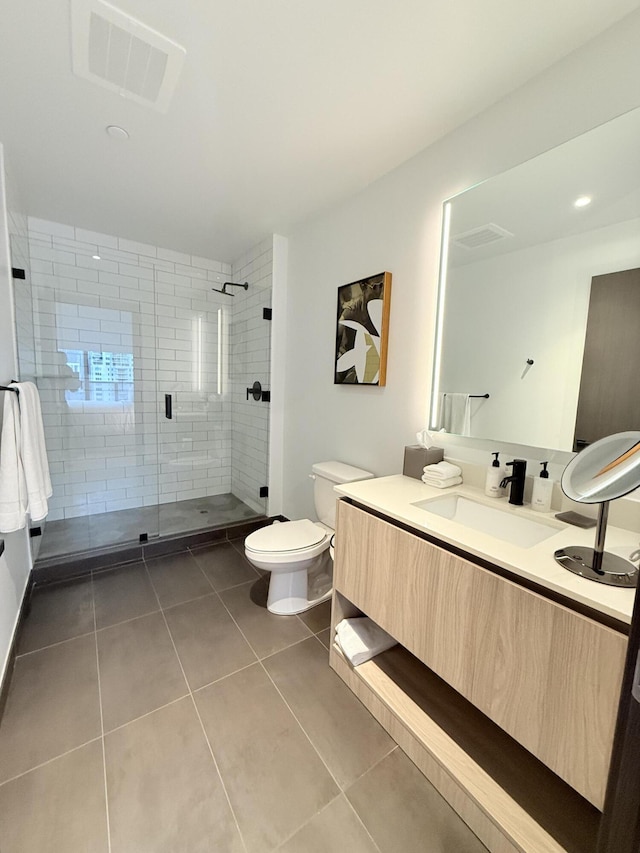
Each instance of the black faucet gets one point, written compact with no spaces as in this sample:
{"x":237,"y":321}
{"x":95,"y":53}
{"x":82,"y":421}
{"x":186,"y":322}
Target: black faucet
{"x":516,"y":492}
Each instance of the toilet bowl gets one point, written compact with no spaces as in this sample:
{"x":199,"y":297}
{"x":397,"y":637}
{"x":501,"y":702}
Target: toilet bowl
{"x":297,"y":553}
{"x":289,"y":550}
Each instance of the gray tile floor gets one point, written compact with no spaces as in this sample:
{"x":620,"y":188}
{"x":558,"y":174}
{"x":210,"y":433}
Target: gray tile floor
{"x":71,"y":535}
{"x":160,"y":707}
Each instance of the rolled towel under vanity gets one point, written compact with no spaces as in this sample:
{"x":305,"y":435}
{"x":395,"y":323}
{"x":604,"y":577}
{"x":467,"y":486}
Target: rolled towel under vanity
{"x":361,"y":639}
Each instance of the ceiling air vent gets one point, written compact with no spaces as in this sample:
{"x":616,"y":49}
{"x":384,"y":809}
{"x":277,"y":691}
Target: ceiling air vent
{"x":116,"y":51}
{"x":482,"y":236}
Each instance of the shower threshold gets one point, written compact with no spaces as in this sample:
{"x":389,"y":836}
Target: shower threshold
{"x":107,"y":529}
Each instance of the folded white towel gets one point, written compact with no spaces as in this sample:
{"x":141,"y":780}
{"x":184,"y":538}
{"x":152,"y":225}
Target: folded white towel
{"x":441,"y":484}
{"x":442,"y":470}
{"x":13,"y":490}
{"x":361,"y":639}
{"x":33,"y":451}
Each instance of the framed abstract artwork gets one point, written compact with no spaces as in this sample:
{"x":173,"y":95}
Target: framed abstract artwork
{"x":362,"y":331}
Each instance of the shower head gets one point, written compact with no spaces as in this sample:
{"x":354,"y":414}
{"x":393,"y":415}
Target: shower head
{"x":230,"y":284}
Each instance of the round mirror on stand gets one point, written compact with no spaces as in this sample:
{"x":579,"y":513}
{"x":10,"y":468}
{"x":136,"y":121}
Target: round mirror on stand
{"x":604,"y":471}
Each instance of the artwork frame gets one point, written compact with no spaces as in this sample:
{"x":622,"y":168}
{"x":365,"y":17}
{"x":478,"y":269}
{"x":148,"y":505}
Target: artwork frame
{"x":362,"y":331}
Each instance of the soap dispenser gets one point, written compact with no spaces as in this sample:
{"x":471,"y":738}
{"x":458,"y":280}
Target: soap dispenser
{"x":494,"y":476}
{"x":542,"y":490}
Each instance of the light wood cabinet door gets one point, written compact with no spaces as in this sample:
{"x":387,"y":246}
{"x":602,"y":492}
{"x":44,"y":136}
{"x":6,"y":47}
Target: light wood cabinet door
{"x":548,"y":676}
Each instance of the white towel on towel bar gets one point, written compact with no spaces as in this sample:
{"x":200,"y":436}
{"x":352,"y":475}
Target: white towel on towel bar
{"x":13,"y":490}
{"x":456,"y":413}
{"x":33,"y":451}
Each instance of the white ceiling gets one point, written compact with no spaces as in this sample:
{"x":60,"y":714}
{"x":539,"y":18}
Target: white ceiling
{"x":284,"y":107}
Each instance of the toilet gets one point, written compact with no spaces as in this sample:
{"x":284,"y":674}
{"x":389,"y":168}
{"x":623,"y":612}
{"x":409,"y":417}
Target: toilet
{"x":299,"y":554}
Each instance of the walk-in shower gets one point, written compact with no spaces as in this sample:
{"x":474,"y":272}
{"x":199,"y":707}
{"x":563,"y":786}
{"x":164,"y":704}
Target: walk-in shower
{"x":142,"y":369}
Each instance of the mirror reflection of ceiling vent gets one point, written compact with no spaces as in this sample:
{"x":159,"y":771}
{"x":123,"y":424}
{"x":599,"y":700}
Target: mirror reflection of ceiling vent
{"x":118,"y":52}
{"x":482,"y":236}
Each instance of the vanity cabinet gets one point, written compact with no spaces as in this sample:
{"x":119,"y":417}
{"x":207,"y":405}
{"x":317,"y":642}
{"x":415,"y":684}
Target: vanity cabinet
{"x":544,"y":674}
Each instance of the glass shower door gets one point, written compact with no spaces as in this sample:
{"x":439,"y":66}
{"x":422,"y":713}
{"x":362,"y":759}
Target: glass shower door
{"x":193,"y":406}
{"x":93,"y":361}
{"x":212,"y":435}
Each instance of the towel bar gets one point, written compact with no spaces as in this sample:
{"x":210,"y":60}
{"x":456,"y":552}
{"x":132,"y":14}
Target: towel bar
{"x":477,"y":396}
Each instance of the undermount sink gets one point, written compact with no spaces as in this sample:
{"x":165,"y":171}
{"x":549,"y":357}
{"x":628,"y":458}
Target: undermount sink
{"x":494,"y":521}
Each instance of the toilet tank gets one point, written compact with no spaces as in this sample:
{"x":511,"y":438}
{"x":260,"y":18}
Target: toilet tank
{"x":325,"y":476}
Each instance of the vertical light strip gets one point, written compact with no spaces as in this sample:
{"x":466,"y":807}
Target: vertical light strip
{"x":442,"y":287}
{"x":199,"y":376}
{"x":219,"y":350}
{"x":197,"y":353}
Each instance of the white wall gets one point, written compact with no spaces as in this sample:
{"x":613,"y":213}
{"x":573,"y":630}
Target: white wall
{"x":395,"y":225}
{"x":278,"y":374}
{"x":15,"y":562}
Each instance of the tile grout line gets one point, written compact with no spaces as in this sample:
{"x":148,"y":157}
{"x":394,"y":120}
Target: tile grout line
{"x":357,"y":816}
{"x":160,"y":609}
{"x":223,"y":677}
{"x":195,"y":707}
{"x":234,"y":586}
{"x":104,"y":755}
{"x":374,"y":765}
{"x":341,"y":791}
{"x":125,"y":621}
{"x":284,"y":648}
{"x":361,"y":776}
{"x":298,"y":828}
{"x":320,"y":641}
{"x":304,"y":731}
{"x":259,"y":661}
{"x":386,"y":755}
{"x":280,"y":694}
{"x":50,"y":760}
{"x":58,"y":643}
{"x":142,"y":716}
{"x":258,"y":575}
{"x":246,"y":639}
{"x":340,"y":795}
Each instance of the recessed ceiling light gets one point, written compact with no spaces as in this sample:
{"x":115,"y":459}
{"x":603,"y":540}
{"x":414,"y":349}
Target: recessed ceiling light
{"x":96,"y":257}
{"x":583,"y":201}
{"x":117,"y":132}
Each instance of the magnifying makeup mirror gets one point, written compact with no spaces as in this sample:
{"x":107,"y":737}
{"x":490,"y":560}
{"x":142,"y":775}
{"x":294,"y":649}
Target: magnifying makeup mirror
{"x":602,"y":472}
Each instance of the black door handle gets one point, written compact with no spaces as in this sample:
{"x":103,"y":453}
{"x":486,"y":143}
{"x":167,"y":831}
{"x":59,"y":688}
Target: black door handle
{"x":258,"y":393}
{"x":168,"y":413}
{"x":255,"y":390}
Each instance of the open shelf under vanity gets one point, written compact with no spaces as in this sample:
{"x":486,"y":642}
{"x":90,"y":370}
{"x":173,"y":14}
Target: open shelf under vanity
{"x":508,"y":797}
{"x":504,"y":699}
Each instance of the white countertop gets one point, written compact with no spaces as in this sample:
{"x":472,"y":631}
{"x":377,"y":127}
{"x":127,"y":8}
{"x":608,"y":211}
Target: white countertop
{"x":393,"y":496}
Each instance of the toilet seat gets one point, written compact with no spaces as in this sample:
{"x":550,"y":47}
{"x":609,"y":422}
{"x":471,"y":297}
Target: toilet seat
{"x":288,"y":542}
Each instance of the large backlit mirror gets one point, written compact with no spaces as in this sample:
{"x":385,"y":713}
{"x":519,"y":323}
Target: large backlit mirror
{"x":539,"y":304}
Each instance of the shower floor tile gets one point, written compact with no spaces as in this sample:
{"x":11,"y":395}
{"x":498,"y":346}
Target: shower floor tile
{"x":71,"y":535}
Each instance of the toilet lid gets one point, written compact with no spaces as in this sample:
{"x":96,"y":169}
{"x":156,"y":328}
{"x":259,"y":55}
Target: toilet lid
{"x":288,"y":536}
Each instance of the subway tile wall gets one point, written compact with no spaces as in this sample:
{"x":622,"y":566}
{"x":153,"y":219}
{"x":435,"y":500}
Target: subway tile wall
{"x":139,"y":323}
{"x":250,"y":361}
